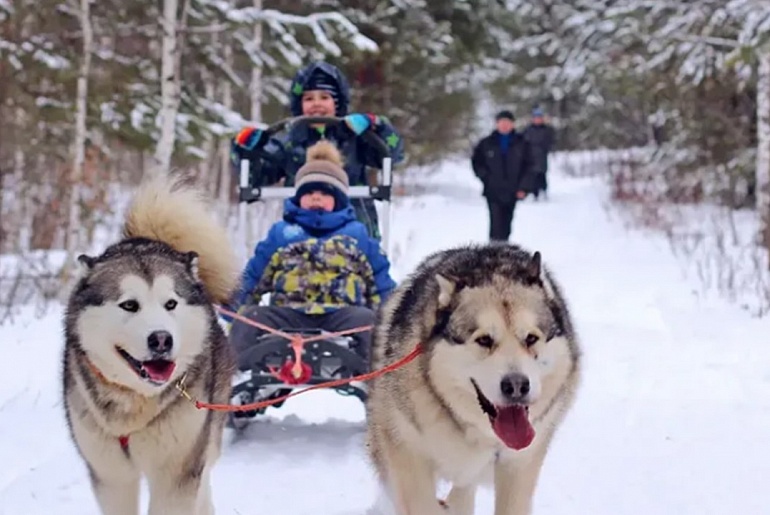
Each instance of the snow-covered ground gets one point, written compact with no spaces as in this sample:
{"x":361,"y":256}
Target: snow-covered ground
{"x":672,"y":418}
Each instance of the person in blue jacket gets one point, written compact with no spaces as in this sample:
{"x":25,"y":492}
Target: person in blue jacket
{"x":320,"y":89}
{"x":319,"y":264}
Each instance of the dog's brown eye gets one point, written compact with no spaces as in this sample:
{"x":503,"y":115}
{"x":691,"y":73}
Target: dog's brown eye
{"x":131,"y":306}
{"x":170,"y":305}
{"x":485,"y":340}
{"x":531,"y":339}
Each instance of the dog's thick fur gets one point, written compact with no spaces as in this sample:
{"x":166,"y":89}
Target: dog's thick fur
{"x":483,"y":314}
{"x":139,"y":319}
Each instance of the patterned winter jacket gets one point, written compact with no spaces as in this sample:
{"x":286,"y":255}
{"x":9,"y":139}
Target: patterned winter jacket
{"x":316,"y":262}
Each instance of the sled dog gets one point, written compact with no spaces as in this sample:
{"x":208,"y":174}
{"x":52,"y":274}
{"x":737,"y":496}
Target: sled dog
{"x":140,"y":320}
{"x":499,"y":370}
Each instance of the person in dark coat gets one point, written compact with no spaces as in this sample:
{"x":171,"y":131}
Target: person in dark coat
{"x":320,"y":89}
{"x":501,"y":162}
{"x":540,"y":137}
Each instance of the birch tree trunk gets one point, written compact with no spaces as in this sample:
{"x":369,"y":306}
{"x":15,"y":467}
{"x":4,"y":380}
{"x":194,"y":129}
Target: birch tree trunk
{"x":21,"y":216}
{"x":263,"y":213}
{"x":20,"y":207}
{"x":169,"y":85}
{"x":256,"y":88}
{"x":225,"y":172}
{"x":72,"y":239}
{"x":13,"y":215}
{"x":207,"y":167}
{"x":763,"y":147}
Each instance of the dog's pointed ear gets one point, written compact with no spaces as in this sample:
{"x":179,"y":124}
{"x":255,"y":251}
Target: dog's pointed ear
{"x":192,"y":261}
{"x":534,"y":268}
{"x":446,"y":288}
{"x":86,"y":262}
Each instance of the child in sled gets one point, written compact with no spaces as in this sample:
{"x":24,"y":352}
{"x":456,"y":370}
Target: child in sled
{"x":319,"y":265}
{"x":320,"y":89}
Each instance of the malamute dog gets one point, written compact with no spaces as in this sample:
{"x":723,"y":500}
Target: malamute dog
{"x":138,"y":321}
{"x":500,"y":369}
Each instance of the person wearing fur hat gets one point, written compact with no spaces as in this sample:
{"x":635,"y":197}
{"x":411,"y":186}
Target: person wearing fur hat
{"x":320,"y":89}
{"x":319,"y":264}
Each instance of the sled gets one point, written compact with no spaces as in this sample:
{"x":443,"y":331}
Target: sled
{"x":327,"y":359}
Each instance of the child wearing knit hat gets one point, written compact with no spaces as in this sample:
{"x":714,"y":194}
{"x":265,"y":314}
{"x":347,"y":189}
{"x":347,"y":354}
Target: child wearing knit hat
{"x":322,"y":176}
{"x":319,"y":264}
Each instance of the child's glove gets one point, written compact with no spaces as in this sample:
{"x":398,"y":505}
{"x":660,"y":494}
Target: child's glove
{"x":359,"y":123}
{"x":249,"y":138}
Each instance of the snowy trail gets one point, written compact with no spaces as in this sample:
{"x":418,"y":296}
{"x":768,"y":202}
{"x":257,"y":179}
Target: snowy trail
{"x":672,"y":417}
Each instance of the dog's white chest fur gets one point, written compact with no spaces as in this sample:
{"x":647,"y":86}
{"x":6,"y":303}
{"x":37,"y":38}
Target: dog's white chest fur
{"x":463,"y":456}
{"x":461,"y":463}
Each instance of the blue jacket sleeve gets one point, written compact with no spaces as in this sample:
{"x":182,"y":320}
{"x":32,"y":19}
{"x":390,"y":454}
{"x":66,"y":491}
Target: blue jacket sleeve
{"x":383,"y":283}
{"x":385,"y":130}
{"x":252,"y":274}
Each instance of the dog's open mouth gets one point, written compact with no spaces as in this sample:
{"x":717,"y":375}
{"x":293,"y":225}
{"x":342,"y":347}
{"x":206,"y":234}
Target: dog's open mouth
{"x":510,"y":423}
{"x":155,"y":371}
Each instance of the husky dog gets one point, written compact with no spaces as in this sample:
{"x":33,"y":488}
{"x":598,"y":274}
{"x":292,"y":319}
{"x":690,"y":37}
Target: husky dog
{"x":499,"y":370}
{"x":139,"y":322}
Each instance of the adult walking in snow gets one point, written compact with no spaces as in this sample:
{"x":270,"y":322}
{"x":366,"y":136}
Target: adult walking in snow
{"x":501,"y":161}
{"x":540,"y":137}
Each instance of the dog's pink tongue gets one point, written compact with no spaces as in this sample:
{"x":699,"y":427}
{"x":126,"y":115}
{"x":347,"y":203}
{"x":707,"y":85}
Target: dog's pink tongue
{"x":159,"y":370}
{"x":512,"y":427}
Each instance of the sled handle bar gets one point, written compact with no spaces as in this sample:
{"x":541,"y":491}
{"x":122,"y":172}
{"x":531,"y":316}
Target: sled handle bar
{"x":382,"y":192}
{"x":288,"y":123}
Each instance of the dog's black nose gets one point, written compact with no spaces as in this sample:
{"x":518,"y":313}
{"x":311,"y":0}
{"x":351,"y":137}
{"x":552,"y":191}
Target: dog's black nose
{"x":160,"y":342}
{"x":515,"y":386}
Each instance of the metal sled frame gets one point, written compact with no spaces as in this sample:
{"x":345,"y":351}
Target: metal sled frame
{"x":381,"y":191}
{"x":329,"y":359}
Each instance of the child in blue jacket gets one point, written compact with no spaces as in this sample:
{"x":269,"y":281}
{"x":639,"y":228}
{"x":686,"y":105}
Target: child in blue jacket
{"x":319,"y":264}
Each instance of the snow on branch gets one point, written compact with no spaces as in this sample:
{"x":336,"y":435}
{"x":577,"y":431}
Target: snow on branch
{"x":37,"y":49}
{"x":315,"y":22}
{"x":707,"y":40}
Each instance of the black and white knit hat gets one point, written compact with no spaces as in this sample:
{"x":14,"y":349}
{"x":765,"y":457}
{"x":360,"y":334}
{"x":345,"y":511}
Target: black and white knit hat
{"x":323,"y":171}
{"x":321,"y":80}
